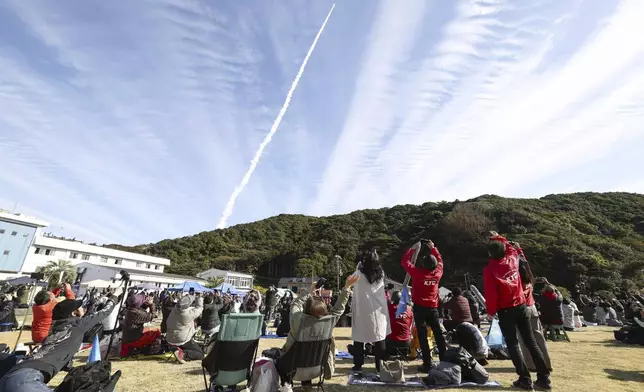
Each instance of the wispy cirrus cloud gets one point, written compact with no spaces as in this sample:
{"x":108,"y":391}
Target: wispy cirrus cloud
{"x":133,"y":122}
{"x":497,"y":104}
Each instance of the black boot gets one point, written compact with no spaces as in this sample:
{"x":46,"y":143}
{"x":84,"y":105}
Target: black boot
{"x":523,"y":383}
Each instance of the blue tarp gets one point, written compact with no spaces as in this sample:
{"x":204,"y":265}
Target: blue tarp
{"x":228,"y":288}
{"x":186,"y":286}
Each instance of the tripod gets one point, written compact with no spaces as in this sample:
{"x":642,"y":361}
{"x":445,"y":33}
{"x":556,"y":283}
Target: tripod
{"x":24,"y":319}
{"x":125,"y":279}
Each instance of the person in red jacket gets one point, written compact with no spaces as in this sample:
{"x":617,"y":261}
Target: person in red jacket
{"x":504,"y":295}
{"x":399,"y":339}
{"x":43,"y":309}
{"x":425,"y":278}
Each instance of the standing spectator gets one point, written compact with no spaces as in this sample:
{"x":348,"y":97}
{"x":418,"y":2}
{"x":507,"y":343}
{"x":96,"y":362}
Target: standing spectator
{"x":527,"y":280}
{"x":166,"y":307}
{"x":459,"y":309}
{"x":270,"y":302}
{"x":504,"y":295}
{"x":425,"y":280}
{"x":370,"y":314}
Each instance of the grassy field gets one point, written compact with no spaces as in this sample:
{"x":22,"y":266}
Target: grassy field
{"x":592,"y":362}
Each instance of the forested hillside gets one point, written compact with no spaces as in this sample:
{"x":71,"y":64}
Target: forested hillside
{"x":571,"y":238}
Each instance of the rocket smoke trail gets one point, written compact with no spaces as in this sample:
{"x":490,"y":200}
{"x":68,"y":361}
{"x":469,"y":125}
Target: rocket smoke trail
{"x":253,"y":164}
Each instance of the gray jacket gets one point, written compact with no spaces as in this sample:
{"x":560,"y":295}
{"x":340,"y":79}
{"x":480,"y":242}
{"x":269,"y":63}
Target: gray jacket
{"x":181,"y":321}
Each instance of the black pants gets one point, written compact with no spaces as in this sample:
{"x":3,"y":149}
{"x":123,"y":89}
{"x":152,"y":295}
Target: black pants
{"x":379,"y":351}
{"x":424,"y":317}
{"x":516,"y":319}
{"x":192,"y":351}
{"x":396,"y":347}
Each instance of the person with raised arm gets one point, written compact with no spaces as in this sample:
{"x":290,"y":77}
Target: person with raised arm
{"x":505,"y":297}
{"x":425,"y":280}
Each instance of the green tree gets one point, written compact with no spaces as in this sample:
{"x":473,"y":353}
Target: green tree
{"x":58,"y":271}
{"x":592,"y":238}
{"x":214,"y":282}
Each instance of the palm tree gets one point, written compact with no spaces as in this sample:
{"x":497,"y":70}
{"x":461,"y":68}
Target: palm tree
{"x":214,"y":282}
{"x":56,"y":271}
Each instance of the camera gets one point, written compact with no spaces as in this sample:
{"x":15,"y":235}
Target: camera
{"x":320,"y":283}
{"x":124,"y":275}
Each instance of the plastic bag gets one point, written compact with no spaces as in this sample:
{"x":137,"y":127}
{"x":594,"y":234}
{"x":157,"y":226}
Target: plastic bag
{"x":264,"y":377}
{"x":494,"y":337}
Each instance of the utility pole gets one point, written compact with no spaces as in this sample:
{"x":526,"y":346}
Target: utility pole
{"x":338,"y":271}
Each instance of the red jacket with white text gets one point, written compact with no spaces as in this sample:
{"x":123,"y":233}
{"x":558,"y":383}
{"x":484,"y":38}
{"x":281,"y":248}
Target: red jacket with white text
{"x":502,"y":286}
{"x":424,"y":282}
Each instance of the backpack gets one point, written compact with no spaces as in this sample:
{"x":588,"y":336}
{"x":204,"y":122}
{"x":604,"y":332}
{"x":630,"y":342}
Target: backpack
{"x":471,"y":370}
{"x":92,"y":377}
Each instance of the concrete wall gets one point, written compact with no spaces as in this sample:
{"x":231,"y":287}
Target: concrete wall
{"x":46,"y":249}
{"x":15,"y":240}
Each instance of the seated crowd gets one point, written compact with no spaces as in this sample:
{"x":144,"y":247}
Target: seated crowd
{"x":384,"y":323}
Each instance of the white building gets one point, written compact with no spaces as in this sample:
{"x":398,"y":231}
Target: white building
{"x":28,"y":249}
{"x":296,"y":284}
{"x":242,"y":282}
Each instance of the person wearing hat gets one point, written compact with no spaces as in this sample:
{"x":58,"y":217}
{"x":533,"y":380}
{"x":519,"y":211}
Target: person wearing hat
{"x":134,"y":335}
{"x":181,"y":327}
{"x":63,"y":312}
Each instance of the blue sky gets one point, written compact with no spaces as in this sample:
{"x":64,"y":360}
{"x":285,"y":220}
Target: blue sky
{"x":132,"y":122}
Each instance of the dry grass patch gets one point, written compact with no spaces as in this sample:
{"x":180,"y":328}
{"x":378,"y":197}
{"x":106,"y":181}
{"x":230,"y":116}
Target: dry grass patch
{"x":592,"y":362}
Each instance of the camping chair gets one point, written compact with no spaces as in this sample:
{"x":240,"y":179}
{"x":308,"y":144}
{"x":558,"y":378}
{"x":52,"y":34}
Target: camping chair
{"x":306,"y":358}
{"x":232,"y":354}
{"x":555,"y":333}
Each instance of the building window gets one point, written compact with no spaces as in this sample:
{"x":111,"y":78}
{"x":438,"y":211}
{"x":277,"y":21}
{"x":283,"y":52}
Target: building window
{"x":85,"y":257}
{"x":73,"y":255}
{"x":1,"y":231}
{"x":117,"y":262}
{"x":37,"y":251}
{"x":103,"y":259}
{"x":148,"y":266}
{"x":156,"y":267}
{"x":14,"y":233}
{"x":139,"y":265}
{"x":6,"y":252}
{"x":49,"y":252}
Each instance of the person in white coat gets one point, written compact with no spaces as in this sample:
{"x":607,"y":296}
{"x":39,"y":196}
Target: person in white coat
{"x":370,"y":313}
{"x":568,"y":315}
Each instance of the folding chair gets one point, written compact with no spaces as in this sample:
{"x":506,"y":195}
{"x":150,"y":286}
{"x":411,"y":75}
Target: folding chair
{"x":555,"y":333}
{"x":305,"y":359}
{"x":232,"y":354}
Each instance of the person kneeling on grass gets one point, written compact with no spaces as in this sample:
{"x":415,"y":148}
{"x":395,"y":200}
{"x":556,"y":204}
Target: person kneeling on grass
{"x":399,"y":340}
{"x":504,"y":296}
{"x":312,"y":305}
{"x":181,"y":328}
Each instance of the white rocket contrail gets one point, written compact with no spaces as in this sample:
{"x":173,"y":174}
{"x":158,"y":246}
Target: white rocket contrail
{"x":253,"y":164}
